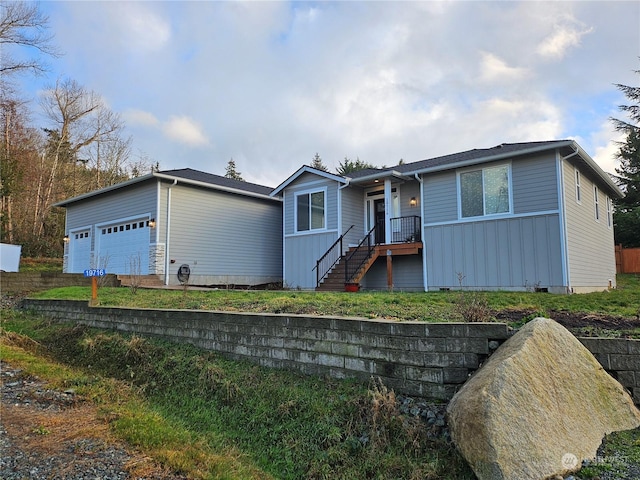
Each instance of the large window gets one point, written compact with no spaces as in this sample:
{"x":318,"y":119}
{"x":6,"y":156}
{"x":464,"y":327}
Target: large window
{"x":310,"y":211}
{"x":484,"y":191}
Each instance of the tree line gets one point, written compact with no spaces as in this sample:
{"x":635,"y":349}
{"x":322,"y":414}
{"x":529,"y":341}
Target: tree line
{"x":81,"y":147}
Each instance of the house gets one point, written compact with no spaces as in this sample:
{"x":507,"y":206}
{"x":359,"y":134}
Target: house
{"x":521,"y":216}
{"x":227,"y":232}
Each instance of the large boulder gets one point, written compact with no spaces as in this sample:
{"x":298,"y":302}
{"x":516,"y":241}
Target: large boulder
{"x":539,"y":406}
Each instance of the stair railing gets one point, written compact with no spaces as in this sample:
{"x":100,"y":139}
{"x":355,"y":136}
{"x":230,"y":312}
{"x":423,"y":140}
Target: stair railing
{"x":330,"y":258}
{"x":355,"y":259}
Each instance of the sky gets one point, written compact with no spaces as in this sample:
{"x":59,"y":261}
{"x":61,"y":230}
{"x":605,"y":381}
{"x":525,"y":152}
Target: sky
{"x":270,"y":84}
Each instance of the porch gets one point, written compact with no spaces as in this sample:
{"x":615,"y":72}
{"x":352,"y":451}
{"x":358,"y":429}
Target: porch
{"x":336,"y":270}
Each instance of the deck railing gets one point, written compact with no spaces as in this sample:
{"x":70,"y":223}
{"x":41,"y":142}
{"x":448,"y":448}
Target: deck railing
{"x":357,"y":257}
{"x":405,"y":229}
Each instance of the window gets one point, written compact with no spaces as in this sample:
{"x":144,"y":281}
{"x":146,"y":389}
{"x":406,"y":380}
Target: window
{"x":578,"y":198}
{"x":310,"y":211}
{"x":609,"y":212}
{"x":484,"y":191}
{"x":596,"y":203}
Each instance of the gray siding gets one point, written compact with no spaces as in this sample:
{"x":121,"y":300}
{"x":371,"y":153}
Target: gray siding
{"x":301,"y":254}
{"x":514,"y":254}
{"x":408,"y":190}
{"x":440,"y":197}
{"x":138,"y":201}
{"x":535,"y":186}
{"x":590,"y":244}
{"x":352,"y":214}
{"x":225,"y":238}
{"x":302,"y":250}
{"x":331,"y":206}
{"x":407,"y":274}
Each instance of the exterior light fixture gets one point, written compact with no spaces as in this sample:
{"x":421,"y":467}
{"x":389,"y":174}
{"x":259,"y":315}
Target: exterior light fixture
{"x":413,"y":202}
{"x":152,"y":223}
{"x":66,"y":239}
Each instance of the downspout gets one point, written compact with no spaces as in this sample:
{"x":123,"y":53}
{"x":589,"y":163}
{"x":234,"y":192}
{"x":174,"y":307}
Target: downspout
{"x":340,"y":188}
{"x":168,"y":229}
{"x":424,"y":248}
{"x":564,"y":247}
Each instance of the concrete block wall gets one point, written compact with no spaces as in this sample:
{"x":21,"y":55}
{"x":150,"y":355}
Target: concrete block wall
{"x":621,"y":358}
{"x":430,"y":360}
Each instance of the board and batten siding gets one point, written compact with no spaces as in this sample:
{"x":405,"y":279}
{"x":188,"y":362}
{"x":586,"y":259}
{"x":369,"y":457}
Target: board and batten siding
{"x":406,"y":274}
{"x":225,"y":238}
{"x":112,"y":208}
{"x":517,"y":253}
{"x":590,"y":243}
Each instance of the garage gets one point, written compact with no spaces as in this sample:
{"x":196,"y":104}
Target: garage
{"x":123,"y":248}
{"x":80,"y":251}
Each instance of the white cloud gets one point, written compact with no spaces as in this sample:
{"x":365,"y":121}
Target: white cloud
{"x":185,"y":130}
{"x":142,"y":29}
{"x":494,"y":68}
{"x":140,"y":117}
{"x":567,"y":33}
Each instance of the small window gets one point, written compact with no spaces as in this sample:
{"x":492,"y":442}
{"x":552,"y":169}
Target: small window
{"x":109,"y":230}
{"x":115,"y":230}
{"x":77,"y":236}
{"x":122,"y":228}
{"x":141,"y":224}
{"x":134,"y":226}
{"x":127,"y":226}
{"x":609,"y":213}
{"x":596,"y":203}
{"x":310,"y":211}
{"x":104,"y":230}
{"x":578,"y":195}
{"x":484,"y":191}
{"x":86,"y":235}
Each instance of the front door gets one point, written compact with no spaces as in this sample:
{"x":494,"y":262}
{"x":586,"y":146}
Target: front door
{"x":378,"y":208}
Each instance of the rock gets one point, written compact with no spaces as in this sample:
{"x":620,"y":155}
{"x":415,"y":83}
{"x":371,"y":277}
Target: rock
{"x":539,"y":406}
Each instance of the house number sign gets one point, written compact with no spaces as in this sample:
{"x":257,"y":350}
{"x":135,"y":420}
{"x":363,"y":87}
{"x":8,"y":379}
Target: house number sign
{"x":95,"y":272}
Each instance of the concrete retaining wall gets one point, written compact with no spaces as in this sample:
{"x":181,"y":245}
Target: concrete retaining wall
{"x":430,"y":360}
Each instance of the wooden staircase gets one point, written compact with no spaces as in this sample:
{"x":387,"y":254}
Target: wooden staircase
{"x":335,"y":279}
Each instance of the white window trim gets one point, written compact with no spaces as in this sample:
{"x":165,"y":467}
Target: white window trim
{"x":295,"y":211}
{"x":483,"y":168}
{"x":577,"y":180}
{"x":596,"y":203}
{"x":609,"y":212}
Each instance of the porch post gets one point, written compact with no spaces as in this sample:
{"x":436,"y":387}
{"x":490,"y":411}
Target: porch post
{"x":388,"y":207}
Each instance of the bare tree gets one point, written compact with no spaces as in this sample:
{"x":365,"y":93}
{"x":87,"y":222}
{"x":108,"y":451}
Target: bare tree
{"x":82,"y":121}
{"x":23,"y":25}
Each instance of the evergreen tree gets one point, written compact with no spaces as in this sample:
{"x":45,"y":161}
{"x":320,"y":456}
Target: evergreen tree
{"x":627,"y":215}
{"x":348,"y":166}
{"x":232,"y":172}
{"x":317,"y":163}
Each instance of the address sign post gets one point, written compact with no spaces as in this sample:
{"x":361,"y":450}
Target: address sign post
{"x":94,"y":273}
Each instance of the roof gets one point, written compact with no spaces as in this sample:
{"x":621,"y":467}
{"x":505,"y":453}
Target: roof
{"x":567,"y":148}
{"x":210,"y":178}
{"x":308,"y":169}
{"x":185,"y":176}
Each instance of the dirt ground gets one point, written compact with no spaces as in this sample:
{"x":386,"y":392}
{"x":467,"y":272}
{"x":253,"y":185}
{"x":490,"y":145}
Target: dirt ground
{"x":49,"y":434}
{"x":580,"y":324}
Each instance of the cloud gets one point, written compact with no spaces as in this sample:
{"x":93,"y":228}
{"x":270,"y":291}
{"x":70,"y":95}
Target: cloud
{"x":496,"y":69}
{"x":141,"y":28}
{"x":140,"y":117}
{"x":567,"y":33}
{"x":185,"y":130}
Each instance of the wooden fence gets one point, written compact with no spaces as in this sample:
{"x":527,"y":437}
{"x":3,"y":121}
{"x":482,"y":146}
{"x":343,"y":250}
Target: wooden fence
{"x":627,"y":260}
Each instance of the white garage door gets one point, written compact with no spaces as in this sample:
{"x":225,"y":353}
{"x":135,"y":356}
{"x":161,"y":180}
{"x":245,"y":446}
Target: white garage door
{"x":123,"y":248}
{"x":79,"y":251}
